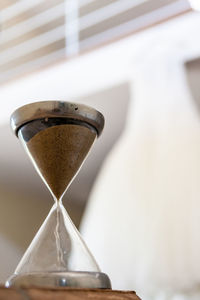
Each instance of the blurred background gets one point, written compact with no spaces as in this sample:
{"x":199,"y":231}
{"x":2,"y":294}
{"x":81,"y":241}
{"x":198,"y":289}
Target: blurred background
{"x":122,"y":57}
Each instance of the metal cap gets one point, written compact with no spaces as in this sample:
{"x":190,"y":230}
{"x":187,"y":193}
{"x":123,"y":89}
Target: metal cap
{"x":56,"y":109}
{"x":92,"y":280}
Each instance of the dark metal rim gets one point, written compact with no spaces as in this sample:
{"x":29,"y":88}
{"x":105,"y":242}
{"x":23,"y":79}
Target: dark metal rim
{"x":56,"y":109}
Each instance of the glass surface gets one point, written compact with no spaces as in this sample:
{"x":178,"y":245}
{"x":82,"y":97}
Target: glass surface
{"x":57,"y":147}
{"x":57,"y":247}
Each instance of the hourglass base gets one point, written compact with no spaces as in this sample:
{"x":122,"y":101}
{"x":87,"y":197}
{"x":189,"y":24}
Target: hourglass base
{"x":93,"y":280}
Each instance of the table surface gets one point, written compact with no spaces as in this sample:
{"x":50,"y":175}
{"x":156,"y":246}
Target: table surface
{"x":33,"y":293}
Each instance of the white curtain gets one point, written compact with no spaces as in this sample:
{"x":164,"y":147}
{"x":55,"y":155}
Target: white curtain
{"x":142,"y":222}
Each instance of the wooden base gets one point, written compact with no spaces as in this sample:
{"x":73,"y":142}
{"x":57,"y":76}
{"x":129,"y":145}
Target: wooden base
{"x":64,"y":294}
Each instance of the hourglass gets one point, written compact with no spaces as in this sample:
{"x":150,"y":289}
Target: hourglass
{"x":57,"y":137}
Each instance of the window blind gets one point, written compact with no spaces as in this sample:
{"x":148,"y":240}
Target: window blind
{"x":36,"y":33}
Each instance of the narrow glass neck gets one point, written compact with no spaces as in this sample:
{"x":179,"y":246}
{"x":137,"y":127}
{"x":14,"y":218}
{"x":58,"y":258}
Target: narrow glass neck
{"x":58,"y":201}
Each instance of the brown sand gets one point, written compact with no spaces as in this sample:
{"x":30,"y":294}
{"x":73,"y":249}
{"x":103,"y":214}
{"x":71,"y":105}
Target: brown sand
{"x":59,"y":152}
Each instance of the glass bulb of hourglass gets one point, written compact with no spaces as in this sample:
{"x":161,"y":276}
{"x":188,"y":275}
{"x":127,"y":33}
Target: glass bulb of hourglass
{"x":57,"y":146}
{"x":57,"y":247}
